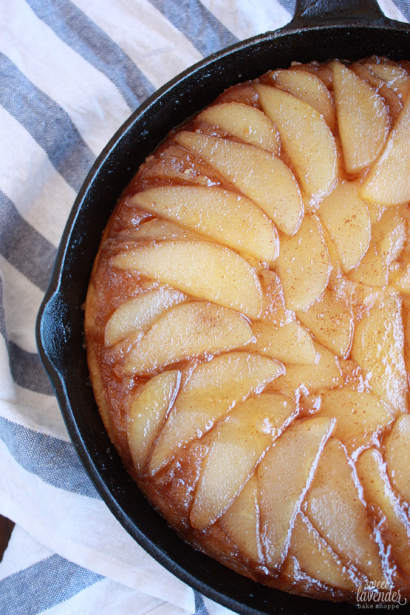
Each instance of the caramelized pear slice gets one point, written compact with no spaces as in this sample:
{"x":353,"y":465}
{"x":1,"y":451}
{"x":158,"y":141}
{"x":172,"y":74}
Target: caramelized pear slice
{"x":362,"y":118}
{"x":291,"y":343}
{"x":388,"y":183}
{"x":330,"y":320}
{"x":148,"y":410}
{"x":140,"y":313}
{"x":308,"y":88}
{"x":257,"y":174}
{"x":162,"y":229}
{"x":347,"y":219}
{"x":237,"y":444}
{"x":187,"y":330}
{"x":398,"y":456}
{"x":335,"y":509}
{"x":378,"y":347}
{"x":306,"y":138}
{"x":325,"y":374}
{"x":274,"y":309}
{"x":213,"y":389}
{"x":284,"y":476}
{"x":241,"y":521}
{"x":201,"y":269}
{"x":224,"y":216}
{"x":359,"y":416}
{"x":378,"y":493}
{"x":315,"y":557}
{"x":395,"y":76}
{"x":304,"y":265}
{"x":245,"y":123}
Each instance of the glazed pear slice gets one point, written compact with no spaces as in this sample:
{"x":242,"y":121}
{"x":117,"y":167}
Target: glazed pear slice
{"x":306,"y":138}
{"x":148,"y":410}
{"x":335,"y":509}
{"x":257,"y":174}
{"x":315,"y":557}
{"x":378,"y":493}
{"x":241,"y":521}
{"x":162,"y":229}
{"x":378,"y":347}
{"x":213,"y":389}
{"x":238,"y":443}
{"x":304,"y":264}
{"x":398,"y":456}
{"x":388,"y":183}
{"x":359,"y":416}
{"x":395,"y":76}
{"x":331,"y":321}
{"x":325,"y":374}
{"x":140,"y":313}
{"x":187,"y":330}
{"x":290,"y":344}
{"x":347,"y":219}
{"x":362,"y":118}
{"x":274,"y":310}
{"x":224,"y":216}
{"x":245,"y":123}
{"x":308,"y":88}
{"x":284,"y":476}
{"x":201,"y":269}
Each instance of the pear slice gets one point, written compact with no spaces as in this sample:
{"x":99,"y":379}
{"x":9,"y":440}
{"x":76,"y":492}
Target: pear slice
{"x":274,"y":309}
{"x":238,"y":443}
{"x":388,"y":183}
{"x":244,"y":122}
{"x":362,"y":118}
{"x":187,"y":330}
{"x":330,"y":320}
{"x":315,"y":557}
{"x":395,"y":76}
{"x":213,"y":389}
{"x":398,"y":456}
{"x":378,"y":347}
{"x":257,"y":174}
{"x":326,"y":374}
{"x":224,"y":216}
{"x":378,"y":493}
{"x":140,"y":313}
{"x":306,"y":138}
{"x":162,"y":229}
{"x":283,"y":479}
{"x":347,"y":219}
{"x":201,"y":269}
{"x":335,"y":509}
{"x":241,"y":521}
{"x":359,"y":416}
{"x":148,"y":411}
{"x":308,"y":88}
{"x":291,"y":343}
{"x":304,"y":264}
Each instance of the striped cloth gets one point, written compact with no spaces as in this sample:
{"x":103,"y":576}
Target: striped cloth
{"x":71,"y":73}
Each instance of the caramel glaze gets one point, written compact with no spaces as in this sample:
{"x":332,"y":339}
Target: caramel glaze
{"x":172,"y":491}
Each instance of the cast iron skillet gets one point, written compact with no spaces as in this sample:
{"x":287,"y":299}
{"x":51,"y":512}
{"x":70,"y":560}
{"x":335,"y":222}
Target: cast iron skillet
{"x":320,"y":30}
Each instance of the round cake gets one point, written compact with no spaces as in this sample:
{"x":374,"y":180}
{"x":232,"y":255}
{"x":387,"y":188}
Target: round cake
{"x":248,"y":328}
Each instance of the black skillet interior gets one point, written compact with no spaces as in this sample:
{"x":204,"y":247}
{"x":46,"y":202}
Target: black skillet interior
{"x":320,"y":31}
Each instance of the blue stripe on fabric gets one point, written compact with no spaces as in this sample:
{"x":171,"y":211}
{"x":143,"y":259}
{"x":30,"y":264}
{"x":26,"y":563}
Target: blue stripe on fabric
{"x":289,"y":6}
{"x":28,"y":371}
{"x":200,"y":608}
{"x":94,"y":45}
{"x":404,"y":7}
{"x":47,"y":123}
{"x":2,"y":316}
{"x":23,"y":247}
{"x":43,"y":585}
{"x":197,"y":24}
{"x":54,"y":461}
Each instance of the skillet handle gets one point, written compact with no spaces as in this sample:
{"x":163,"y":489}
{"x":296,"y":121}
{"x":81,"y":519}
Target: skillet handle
{"x":312,"y":12}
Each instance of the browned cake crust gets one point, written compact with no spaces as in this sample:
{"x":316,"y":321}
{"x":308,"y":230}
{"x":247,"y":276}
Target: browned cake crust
{"x":292,"y":360}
